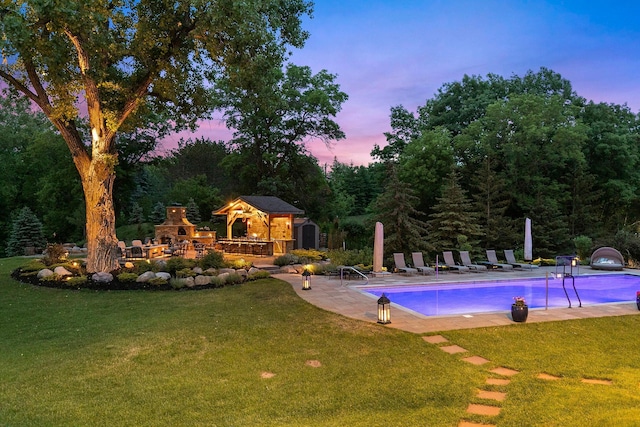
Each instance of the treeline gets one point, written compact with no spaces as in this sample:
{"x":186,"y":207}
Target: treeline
{"x":461,"y":172}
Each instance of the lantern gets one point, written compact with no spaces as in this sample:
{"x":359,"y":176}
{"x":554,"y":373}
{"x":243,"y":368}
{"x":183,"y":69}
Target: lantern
{"x":306,"y":280}
{"x":384,"y":315}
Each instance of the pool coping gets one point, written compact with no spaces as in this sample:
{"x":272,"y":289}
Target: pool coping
{"x":343,"y":297}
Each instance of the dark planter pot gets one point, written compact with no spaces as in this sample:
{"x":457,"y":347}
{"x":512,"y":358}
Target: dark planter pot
{"x":519,"y":313}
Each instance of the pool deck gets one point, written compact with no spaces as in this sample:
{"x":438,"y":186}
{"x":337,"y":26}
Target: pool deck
{"x":344,"y":297}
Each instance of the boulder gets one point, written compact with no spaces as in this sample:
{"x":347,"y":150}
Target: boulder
{"x":253,"y":270}
{"x":163,"y":275}
{"x":146,"y":276}
{"x":44,"y":273}
{"x":102,"y":277}
{"x":197,"y":270}
{"x":226,"y":270}
{"x":288,"y":269}
{"x":62,"y":272}
{"x":242,"y":272}
{"x":211,"y":271}
{"x":202,"y":280}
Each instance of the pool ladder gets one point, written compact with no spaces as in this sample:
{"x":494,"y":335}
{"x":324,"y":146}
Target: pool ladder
{"x":570,"y":261}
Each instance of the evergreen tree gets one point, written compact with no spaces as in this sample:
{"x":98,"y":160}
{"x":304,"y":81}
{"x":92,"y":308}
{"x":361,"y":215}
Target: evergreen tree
{"x":137,"y":214}
{"x":193,"y":213}
{"x":395,"y":209}
{"x":453,"y":224}
{"x":491,"y":201}
{"x":26,"y":232}
{"x":159,"y":213}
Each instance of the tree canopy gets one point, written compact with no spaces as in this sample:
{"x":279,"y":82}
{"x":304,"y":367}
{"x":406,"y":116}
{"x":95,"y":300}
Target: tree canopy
{"x":123,"y":61}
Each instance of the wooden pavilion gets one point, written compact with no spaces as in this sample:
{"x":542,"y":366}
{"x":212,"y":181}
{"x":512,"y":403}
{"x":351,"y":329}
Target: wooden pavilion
{"x":258,"y":225}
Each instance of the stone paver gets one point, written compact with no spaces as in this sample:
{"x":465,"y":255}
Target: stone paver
{"x":488,"y":410}
{"x":435,"y":339}
{"x":452,"y":349}
{"x":471,"y":424}
{"x":596,"y":381}
{"x":549,"y":377}
{"x":498,"y":381}
{"x":505,"y":372}
{"x":492,"y":395}
{"x":476,"y":360}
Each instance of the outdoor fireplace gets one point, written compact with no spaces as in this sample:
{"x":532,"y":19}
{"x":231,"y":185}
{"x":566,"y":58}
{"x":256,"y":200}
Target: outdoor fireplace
{"x":177,"y":228}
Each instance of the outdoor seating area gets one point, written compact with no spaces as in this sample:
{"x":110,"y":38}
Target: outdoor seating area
{"x":465,"y":264}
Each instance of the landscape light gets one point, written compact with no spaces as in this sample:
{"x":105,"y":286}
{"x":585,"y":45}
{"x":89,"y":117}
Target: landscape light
{"x":384,"y":312}
{"x":306,"y":280}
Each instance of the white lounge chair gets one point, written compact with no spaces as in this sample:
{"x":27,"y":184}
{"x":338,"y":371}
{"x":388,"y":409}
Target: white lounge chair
{"x":511,"y":259}
{"x":401,"y":265}
{"x":466,"y":261}
{"x":418,"y":263}
{"x":449,"y":262}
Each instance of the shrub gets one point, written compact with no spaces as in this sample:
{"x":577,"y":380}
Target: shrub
{"x":351,"y":257}
{"x":54,"y":254}
{"x":307,"y":256}
{"x":158,"y":281}
{"x":177,"y":263}
{"x":213,"y":259}
{"x":583,"y":246}
{"x":77,"y":282}
{"x":33,"y":265}
{"x":286,"y":259}
{"x":262,"y":274}
{"x":238,"y":264}
{"x":234,"y":279}
{"x":127,"y":277}
{"x":184,"y":273}
{"x":217,"y":282}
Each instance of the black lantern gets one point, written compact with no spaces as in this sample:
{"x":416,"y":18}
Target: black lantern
{"x":384,"y":314}
{"x":306,"y":280}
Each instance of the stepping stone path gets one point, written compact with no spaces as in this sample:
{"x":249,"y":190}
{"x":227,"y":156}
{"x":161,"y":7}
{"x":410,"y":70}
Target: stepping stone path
{"x":499,"y":377}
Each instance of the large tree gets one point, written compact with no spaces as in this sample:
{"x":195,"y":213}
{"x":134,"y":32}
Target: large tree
{"x":273,"y":114}
{"x":120,"y":59}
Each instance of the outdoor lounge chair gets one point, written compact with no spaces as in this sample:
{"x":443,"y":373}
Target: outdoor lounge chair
{"x":511,"y":259}
{"x":401,"y":265}
{"x":607,"y":258}
{"x":466,"y":261}
{"x":493,"y":261}
{"x":418,"y":263}
{"x":449,"y":262}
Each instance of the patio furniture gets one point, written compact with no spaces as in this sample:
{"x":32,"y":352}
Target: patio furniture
{"x":449,"y":262}
{"x":511,"y":259}
{"x":493,"y":261}
{"x":418,"y":263}
{"x":607,"y":258}
{"x":466,"y":261}
{"x":401,"y":265}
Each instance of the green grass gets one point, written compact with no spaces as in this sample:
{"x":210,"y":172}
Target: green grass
{"x":197,"y":358}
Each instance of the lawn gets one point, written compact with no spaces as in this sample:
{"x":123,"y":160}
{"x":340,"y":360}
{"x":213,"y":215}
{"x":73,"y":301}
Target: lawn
{"x":256,"y":354}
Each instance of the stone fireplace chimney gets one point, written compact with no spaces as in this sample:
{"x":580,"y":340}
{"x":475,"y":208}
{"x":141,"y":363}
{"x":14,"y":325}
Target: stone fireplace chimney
{"x":176,"y":227}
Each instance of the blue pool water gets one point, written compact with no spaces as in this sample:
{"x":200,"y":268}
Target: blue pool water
{"x":484,"y":297}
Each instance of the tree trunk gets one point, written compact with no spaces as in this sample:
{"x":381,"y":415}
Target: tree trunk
{"x":102,"y":243}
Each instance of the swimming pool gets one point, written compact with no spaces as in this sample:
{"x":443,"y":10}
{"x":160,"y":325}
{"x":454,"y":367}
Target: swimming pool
{"x":493,"y":296}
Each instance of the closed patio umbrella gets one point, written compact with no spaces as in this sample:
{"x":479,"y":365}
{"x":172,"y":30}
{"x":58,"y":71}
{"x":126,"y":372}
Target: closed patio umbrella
{"x":528,"y":242}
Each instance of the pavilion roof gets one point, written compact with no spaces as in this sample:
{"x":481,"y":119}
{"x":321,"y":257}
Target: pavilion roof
{"x":266,"y":204}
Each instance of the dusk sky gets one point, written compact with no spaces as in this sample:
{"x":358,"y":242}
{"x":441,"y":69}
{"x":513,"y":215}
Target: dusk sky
{"x":399,"y":52}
